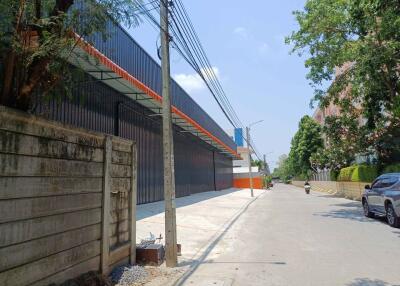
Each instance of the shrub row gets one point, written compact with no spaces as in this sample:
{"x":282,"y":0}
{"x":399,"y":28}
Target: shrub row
{"x":358,"y":173}
{"x":363,"y":173}
{"x":345,"y":174}
{"x":395,"y":168}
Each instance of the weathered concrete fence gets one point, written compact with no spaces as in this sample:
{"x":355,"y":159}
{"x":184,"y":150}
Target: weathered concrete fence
{"x":67,"y":201}
{"x":349,"y":190}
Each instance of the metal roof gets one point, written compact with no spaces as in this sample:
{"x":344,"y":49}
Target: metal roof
{"x":93,"y":62}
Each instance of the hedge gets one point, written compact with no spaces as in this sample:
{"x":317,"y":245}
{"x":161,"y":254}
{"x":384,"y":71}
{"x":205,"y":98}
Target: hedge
{"x":364,"y":173}
{"x":345,"y":174}
{"x":395,"y":168}
{"x":358,"y":173}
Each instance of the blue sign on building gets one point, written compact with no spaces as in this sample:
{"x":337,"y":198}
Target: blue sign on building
{"x":239,"y":137}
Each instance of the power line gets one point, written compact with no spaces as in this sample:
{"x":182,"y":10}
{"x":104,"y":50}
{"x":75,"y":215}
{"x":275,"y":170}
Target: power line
{"x":207,"y":72}
{"x":188,"y":20}
{"x":187,"y":43}
{"x":208,"y":69}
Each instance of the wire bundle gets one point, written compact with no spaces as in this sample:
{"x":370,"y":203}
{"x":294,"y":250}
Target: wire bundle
{"x":185,"y":41}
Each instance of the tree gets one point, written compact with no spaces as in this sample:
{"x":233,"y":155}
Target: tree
{"x":305,"y":143}
{"x":362,"y":38}
{"x":37,"y":37}
{"x":343,"y":141}
{"x":282,"y":170}
{"x":257,"y":163}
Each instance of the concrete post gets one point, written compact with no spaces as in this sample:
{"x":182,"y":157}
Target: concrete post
{"x":133,"y":202}
{"x":105,"y":228}
{"x":249,"y":150}
{"x":168,"y":146}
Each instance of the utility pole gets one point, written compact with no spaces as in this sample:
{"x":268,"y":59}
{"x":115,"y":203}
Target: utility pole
{"x":265,"y":162}
{"x":168,"y":145}
{"x":249,"y":150}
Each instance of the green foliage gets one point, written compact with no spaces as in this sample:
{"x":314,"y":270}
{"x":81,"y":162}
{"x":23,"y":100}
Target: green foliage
{"x":353,"y":55}
{"x":345,"y":174}
{"x":395,"y":168}
{"x":282,"y":169}
{"x":334,"y":175}
{"x":267,"y":180}
{"x":364,"y":173}
{"x":257,"y":163}
{"x":36,"y":42}
{"x":358,"y":173}
{"x":344,"y":138}
{"x":305,"y":143}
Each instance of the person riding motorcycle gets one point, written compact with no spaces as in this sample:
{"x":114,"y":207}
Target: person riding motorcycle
{"x":307,"y":187}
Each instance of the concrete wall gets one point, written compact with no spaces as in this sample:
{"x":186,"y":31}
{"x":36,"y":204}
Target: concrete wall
{"x":244,"y":183}
{"x":66,"y":196}
{"x":242,"y":180}
{"x":349,"y":190}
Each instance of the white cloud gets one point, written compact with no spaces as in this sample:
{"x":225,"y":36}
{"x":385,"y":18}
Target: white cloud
{"x":189,"y":82}
{"x":241,"y":31}
{"x":193,"y":82}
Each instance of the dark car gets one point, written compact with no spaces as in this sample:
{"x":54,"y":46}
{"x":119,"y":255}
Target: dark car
{"x":382,"y":198}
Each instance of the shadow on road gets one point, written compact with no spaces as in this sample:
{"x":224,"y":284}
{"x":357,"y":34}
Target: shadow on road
{"x":368,"y":282}
{"x":351,"y":210}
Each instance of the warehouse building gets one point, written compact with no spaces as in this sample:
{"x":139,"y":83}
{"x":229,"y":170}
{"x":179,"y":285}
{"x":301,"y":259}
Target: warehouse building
{"x":121,"y":95}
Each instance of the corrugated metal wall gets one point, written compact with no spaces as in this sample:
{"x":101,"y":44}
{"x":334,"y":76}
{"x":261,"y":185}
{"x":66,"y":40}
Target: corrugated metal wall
{"x":223,"y":172}
{"x":94,"y":105}
{"x":123,"y":50}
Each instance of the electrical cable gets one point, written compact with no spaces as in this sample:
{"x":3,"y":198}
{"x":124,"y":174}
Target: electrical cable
{"x":185,"y":41}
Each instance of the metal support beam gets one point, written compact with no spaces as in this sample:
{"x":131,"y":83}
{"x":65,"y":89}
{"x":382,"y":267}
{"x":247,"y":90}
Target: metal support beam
{"x":99,"y":71}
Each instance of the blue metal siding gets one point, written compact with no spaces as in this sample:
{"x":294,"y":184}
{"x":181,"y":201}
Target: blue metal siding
{"x":223,"y":172}
{"x":96,"y":106}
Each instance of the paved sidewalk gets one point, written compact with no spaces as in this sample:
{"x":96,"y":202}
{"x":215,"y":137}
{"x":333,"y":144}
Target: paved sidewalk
{"x":202,"y":221}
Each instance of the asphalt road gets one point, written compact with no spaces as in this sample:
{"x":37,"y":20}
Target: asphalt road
{"x":286,"y":237}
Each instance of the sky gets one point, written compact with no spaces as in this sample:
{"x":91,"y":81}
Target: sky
{"x":245,"y":45}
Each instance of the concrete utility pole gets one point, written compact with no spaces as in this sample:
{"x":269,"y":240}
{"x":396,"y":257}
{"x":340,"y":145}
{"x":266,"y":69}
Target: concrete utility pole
{"x":249,"y":150}
{"x":168,"y":145}
{"x":265,"y":162}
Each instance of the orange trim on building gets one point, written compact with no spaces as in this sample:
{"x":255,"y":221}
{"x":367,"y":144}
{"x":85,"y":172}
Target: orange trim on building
{"x":135,"y":82}
{"x":244,"y":183}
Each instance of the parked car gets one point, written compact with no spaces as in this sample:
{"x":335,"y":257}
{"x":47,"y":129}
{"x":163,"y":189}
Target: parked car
{"x":382,"y":198}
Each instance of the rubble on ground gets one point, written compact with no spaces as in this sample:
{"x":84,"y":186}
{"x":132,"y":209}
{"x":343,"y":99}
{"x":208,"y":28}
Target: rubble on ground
{"x":128,"y":275}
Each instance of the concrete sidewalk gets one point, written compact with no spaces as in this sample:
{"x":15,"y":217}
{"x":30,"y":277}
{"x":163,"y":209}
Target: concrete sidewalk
{"x":202,"y":220}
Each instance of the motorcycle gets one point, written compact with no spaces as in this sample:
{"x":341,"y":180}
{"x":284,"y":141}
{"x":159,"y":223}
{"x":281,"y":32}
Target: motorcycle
{"x":307,"y":188}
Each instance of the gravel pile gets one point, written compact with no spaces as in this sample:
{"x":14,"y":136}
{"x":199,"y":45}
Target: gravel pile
{"x":128,"y":275}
